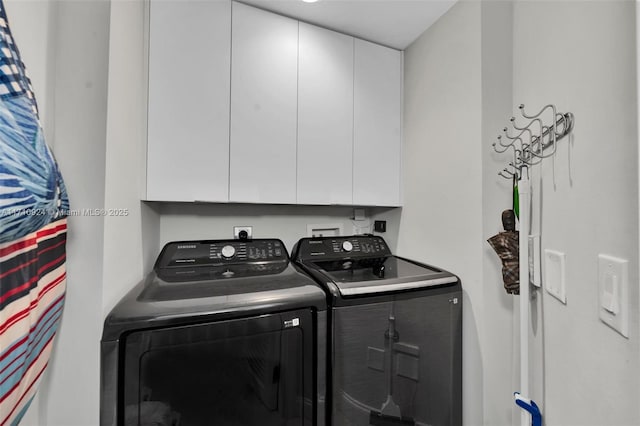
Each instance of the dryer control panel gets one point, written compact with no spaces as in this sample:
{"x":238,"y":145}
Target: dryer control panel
{"x":326,"y":248}
{"x":221,"y":252}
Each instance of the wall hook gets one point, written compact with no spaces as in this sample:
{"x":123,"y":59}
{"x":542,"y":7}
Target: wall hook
{"x":534,"y":141}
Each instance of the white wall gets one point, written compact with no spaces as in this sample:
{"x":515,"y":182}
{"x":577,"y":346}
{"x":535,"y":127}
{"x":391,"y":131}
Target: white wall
{"x":32,"y":25}
{"x":287,"y":222}
{"x":69,"y":393}
{"x":441,"y":220}
{"x":497,"y":343}
{"x":130,"y":241}
{"x":589,"y":68}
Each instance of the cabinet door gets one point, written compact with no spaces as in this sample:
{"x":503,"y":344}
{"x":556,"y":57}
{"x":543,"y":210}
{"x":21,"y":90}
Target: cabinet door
{"x":377,"y":124}
{"x":189,"y":89}
{"x":325,"y":117}
{"x":264,"y":73}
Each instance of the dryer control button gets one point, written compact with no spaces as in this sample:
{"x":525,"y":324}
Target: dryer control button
{"x":347,"y":246}
{"x":228,"y":252}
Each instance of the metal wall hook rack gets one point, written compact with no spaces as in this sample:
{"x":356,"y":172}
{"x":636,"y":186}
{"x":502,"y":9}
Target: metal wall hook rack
{"x":531,"y":142}
{"x":530,"y":139}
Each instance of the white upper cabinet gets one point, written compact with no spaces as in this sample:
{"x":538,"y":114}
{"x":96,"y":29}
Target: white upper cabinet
{"x":264,"y":74}
{"x":377,"y":125}
{"x":253,"y":107}
{"x":325,"y":117}
{"x":189,"y":89}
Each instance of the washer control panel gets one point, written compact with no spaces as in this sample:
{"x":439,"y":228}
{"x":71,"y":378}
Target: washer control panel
{"x":341,"y":247}
{"x":221,"y":252}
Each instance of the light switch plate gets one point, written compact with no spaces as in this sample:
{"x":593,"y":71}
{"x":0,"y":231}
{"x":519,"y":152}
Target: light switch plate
{"x":613,"y":293}
{"x":555,"y":274}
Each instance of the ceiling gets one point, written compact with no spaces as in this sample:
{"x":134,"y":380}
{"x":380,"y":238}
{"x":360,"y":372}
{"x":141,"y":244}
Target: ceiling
{"x":393,"y":23}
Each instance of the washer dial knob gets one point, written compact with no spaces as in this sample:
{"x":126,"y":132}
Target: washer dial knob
{"x":228,"y":252}
{"x":347,"y":246}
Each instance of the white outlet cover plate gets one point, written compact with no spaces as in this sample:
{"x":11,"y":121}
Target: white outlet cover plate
{"x":613,"y":293}
{"x":325,"y":230}
{"x":555,"y":280}
{"x":238,"y":229}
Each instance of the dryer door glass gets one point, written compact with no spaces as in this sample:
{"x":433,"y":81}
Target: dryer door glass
{"x":240,"y":372}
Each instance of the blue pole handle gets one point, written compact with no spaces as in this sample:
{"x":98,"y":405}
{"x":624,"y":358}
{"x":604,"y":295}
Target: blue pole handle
{"x":531,"y":407}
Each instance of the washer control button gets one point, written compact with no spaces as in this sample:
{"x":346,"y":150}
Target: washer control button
{"x":228,"y":252}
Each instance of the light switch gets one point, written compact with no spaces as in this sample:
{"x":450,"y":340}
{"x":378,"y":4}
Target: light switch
{"x":613,"y":288}
{"x":610,"y":293}
{"x":555,"y":274}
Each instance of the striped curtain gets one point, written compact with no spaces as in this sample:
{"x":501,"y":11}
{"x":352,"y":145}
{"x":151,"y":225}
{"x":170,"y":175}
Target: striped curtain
{"x":33,"y":284}
{"x":33,"y":227}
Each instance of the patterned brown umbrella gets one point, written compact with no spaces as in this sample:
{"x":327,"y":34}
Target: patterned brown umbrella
{"x":505,"y":244}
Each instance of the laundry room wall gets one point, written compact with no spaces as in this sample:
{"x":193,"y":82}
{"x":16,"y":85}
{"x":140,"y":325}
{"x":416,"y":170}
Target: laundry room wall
{"x":498,"y":361}
{"x":441,"y":221}
{"x":69,"y":393}
{"x":32,"y":25}
{"x":68,"y":42}
{"x":581,"y":56}
{"x":131,"y":238}
{"x":287,"y":222}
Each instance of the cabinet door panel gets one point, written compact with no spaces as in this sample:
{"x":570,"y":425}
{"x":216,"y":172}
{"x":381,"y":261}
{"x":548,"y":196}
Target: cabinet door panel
{"x":264,"y":66}
{"x":377,"y":125}
{"x":189,"y":89}
{"x":325,"y":117}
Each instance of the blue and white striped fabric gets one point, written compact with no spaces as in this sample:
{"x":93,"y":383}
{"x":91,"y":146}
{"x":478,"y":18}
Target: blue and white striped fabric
{"x":33,"y":227}
{"x":32,"y":192}
{"x":14,"y":81}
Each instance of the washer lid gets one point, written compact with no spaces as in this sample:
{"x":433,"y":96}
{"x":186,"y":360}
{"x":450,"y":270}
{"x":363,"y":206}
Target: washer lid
{"x":196,"y":281}
{"x":354,"y":277}
{"x":255,"y":281}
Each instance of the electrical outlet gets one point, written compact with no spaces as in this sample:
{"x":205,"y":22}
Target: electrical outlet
{"x":380,"y":226}
{"x":238,"y":229}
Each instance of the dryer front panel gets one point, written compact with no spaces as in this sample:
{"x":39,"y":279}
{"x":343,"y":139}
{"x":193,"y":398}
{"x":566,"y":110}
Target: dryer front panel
{"x":253,"y":371}
{"x":404,"y":354}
